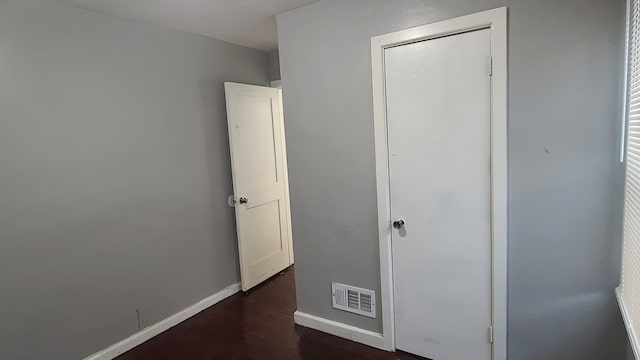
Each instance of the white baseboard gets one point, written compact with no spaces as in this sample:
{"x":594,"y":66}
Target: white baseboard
{"x":345,"y":331}
{"x":163,"y":325}
{"x":633,"y":338}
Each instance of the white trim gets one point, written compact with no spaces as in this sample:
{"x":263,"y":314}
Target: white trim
{"x":625,"y":97}
{"x":163,"y":325}
{"x":276,"y":84}
{"x":496,"y":20}
{"x":339,"y":329}
{"x":633,"y":339}
{"x":285,"y":168}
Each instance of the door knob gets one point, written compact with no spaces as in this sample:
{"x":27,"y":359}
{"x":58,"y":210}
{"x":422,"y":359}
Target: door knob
{"x":398,"y":224}
{"x":243,"y":200}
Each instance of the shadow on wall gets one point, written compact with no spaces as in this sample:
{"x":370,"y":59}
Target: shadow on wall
{"x":220,"y":182}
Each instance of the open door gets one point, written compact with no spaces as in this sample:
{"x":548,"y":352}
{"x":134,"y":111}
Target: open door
{"x":258,"y":162}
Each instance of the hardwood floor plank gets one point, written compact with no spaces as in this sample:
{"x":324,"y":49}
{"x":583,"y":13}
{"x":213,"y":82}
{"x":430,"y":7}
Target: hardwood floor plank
{"x":253,"y":327}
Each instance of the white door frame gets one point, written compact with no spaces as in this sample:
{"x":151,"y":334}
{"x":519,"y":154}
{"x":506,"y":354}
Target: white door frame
{"x":496,"y":21}
{"x":278,"y":85}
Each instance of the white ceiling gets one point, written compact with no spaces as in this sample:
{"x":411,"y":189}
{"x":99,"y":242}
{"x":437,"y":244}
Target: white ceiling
{"x":250,"y":23}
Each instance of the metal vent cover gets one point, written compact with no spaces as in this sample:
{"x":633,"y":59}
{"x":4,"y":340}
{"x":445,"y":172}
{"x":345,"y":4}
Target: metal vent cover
{"x":354,"y":299}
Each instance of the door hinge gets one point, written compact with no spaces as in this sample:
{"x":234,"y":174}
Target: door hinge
{"x":491,"y":66}
{"x":490,"y":332}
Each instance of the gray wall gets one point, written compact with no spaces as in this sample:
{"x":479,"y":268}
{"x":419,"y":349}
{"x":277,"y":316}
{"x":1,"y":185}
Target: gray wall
{"x":114,"y":175}
{"x":274,"y":65}
{"x":565,"y":206}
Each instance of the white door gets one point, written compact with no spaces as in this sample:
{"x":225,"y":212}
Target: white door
{"x":278,"y":86}
{"x":438,"y":111}
{"x":256,"y":137}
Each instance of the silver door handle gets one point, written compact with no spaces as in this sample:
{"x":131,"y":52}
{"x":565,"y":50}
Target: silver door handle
{"x":398,"y":224}
{"x":243,"y":200}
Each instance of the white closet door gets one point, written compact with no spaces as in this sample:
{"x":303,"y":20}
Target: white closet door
{"x":438,"y":110}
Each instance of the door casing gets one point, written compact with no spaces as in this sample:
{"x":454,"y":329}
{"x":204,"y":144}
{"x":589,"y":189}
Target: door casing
{"x":496,"y":21}
{"x":278,"y":85}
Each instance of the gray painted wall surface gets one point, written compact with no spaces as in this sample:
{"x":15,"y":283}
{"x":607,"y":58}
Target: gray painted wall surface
{"x":274,"y":65}
{"x":114,"y":175}
{"x":565,"y":206}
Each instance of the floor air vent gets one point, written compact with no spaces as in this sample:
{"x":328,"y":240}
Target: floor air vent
{"x":354,"y":299}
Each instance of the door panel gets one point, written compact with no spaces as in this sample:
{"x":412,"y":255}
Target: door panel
{"x":263,"y":225}
{"x":257,"y":157}
{"x":438,"y":111}
{"x":257,"y":141}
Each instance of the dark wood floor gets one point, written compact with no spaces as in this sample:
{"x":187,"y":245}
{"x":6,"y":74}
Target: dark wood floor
{"x":255,"y":326}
